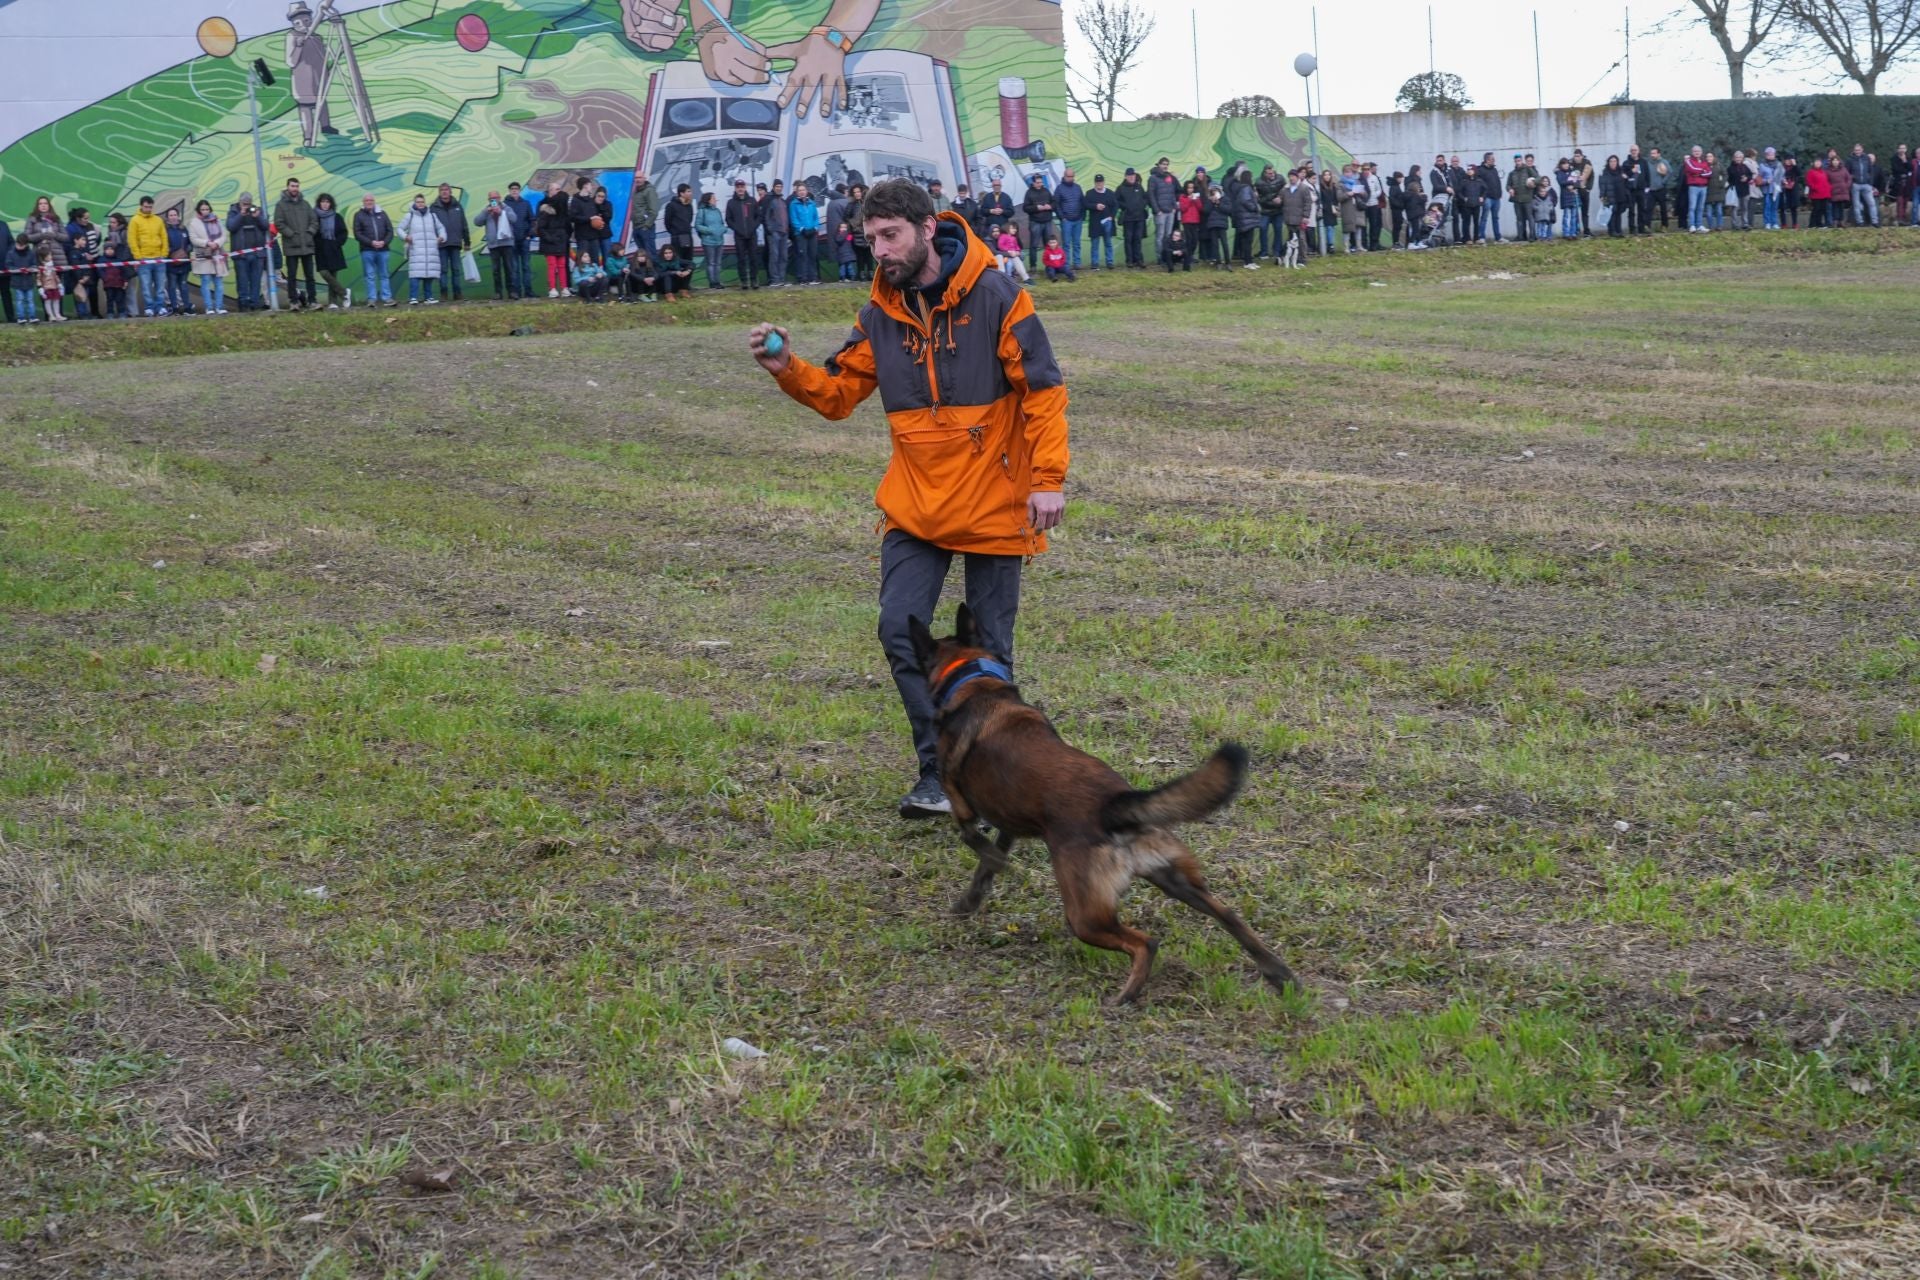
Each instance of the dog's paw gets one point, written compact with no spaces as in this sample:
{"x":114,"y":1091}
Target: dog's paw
{"x":966,"y":905}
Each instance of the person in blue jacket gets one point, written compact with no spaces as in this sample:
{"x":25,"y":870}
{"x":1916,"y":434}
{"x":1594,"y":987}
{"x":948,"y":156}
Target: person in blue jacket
{"x":803,"y":216}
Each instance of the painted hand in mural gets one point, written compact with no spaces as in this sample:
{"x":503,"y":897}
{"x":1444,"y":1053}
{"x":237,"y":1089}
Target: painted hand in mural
{"x":732,"y":61}
{"x":654,"y":27}
{"x":818,"y":67}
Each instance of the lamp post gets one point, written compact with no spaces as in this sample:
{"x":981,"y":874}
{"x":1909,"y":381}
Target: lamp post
{"x":1304,"y":66}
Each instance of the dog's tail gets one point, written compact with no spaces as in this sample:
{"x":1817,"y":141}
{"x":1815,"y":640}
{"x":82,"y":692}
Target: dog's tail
{"x":1185,"y":799}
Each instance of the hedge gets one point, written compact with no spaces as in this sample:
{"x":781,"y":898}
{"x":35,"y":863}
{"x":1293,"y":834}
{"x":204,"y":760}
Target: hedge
{"x":1802,"y":126}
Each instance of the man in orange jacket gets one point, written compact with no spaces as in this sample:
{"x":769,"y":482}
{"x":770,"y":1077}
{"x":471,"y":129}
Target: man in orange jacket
{"x":978,"y":413}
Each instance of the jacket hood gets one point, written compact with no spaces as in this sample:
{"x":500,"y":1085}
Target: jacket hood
{"x":963,"y":257}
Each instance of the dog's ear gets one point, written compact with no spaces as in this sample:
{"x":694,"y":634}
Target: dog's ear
{"x":924,"y":644}
{"x":963,"y":630}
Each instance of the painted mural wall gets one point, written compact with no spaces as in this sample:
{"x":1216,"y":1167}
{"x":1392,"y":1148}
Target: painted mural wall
{"x":392,"y":96}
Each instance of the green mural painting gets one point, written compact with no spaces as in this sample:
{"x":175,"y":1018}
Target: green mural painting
{"x":1213,"y":144}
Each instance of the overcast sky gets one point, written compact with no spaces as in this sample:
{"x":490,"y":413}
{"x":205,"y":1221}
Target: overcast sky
{"x":1368,"y":50}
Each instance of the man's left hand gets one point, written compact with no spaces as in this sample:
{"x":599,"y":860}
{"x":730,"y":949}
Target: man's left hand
{"x":1044,"y":509}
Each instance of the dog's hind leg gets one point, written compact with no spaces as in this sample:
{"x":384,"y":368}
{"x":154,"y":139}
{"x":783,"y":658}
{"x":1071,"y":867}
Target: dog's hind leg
{"x":993,"y":860}
{"x":1181,"y":880}
{"x":1092,"y":917}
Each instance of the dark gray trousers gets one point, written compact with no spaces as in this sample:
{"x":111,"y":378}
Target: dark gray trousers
{"x":912,"y":573}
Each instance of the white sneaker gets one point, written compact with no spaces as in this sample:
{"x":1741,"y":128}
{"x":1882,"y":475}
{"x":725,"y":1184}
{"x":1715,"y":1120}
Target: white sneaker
{"x":222,"y":311}
{"x":432,"y":301}
{"x":566,"y":293}
{"x":1253,"y":266}
{"x":553,"y":293}
{"x":332,"y":307}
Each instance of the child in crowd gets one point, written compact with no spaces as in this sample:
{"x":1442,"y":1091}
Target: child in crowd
{"x":589,"y":277}
{"x":642,"y":275}
{"x":1055,"y":259}
{"x":1420,"y":235}
{"x":617,"y":272}
{"x":179,"y":262}
{"x":843,"y":251}
{"x":676,"y":275}
{"x":48,"y":277}
{"x":1176,"y":253}
{"x":1007,"y":246}
{"x":22,"y":265}
{"x":116,"y":273}
{"x":1545,"y":204}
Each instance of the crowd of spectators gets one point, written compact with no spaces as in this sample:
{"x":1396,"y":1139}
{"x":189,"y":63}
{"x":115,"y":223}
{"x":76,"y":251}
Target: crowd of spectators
{"x":173,"y":262}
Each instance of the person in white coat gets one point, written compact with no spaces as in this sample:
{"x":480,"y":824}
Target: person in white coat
{"x":423,"y":235}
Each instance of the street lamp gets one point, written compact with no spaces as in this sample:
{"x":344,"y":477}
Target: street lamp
{"x":1304,"y":66}
{"x":259,"y":74}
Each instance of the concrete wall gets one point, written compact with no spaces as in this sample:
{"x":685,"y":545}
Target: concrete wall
{"x":1404,"y":138}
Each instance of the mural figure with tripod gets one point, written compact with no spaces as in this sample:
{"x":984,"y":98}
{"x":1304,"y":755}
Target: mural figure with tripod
{"x":318,"y":48}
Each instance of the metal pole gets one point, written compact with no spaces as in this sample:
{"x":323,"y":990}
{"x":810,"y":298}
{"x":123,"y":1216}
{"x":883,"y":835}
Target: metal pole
{"x":1195,"y":15}
{"x":1539,"y":85}
{"x":260,"y":175}
{"x":1313,"y":141}
{"x":1430,"y":66}
{"x":1316,"y":61}
{"x":1626,"y":28}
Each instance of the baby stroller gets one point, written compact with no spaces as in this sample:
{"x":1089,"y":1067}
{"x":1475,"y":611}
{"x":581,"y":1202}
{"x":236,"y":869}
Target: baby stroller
{"x":1431,"y":229}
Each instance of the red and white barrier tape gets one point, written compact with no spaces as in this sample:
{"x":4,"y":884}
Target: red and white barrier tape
{"x":100,"y":263}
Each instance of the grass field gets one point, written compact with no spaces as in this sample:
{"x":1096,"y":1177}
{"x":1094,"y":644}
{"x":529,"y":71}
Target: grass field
{"x":419,"y":758}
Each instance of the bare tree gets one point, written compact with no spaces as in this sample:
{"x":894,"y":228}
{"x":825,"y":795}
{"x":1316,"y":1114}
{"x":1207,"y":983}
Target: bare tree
{"x":1739,"y":27}
{"x":1252,"y":106}
{"x":1865,"y":37}
{"x":1114,"y":31}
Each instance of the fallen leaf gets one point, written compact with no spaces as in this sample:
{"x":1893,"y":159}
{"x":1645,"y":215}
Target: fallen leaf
{"x":266,"y":664}
{"x":428,"y":1179}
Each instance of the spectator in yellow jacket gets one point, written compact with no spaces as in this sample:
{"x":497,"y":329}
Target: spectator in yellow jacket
{"x":147,"y":241}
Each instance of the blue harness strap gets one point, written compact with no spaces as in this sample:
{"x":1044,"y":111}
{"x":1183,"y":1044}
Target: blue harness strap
{"x":969,"y":672}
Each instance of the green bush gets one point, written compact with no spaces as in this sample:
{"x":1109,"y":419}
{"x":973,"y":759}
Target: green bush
{"x":1802,"y":126}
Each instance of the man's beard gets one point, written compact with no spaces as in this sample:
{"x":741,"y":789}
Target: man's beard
{"x":904,"y":272}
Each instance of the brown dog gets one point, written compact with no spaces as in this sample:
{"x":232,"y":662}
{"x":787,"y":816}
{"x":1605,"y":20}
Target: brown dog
{"x":1004,"y":765}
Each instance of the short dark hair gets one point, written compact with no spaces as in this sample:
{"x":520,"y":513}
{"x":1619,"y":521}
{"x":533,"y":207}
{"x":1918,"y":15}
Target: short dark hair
{"x":898,"y":198}
{"x":146,"y":199}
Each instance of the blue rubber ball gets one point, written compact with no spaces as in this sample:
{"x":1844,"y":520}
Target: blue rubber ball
{"x":774,"y":343}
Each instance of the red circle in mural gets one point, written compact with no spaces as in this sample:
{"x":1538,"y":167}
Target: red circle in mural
{"x":471,"y":31}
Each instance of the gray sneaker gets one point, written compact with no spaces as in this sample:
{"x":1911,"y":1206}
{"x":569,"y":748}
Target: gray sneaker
{"x":928,"y":799}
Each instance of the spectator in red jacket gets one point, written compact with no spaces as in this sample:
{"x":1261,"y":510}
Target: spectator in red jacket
{"x":1699,"y":170}
{"x":1819,"y":192}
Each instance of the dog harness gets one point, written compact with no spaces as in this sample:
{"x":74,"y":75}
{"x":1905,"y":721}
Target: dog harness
{"x":965,"y":672}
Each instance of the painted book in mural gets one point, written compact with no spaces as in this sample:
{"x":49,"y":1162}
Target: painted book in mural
{"x":900,"y":121}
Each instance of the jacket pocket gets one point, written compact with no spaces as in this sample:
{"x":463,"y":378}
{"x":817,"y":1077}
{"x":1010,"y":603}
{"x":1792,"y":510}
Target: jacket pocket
{"x":949,"y":481}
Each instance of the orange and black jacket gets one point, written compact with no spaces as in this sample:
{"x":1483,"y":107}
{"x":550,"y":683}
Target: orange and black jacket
{"x":974,"y":399}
